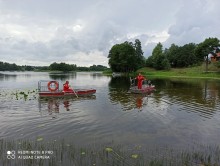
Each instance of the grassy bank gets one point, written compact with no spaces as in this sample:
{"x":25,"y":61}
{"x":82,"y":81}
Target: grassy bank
{"x":191,"y":72}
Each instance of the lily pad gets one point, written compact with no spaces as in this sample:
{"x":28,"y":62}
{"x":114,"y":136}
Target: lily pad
{"x":83,"y":153}
{"x":134,"y":156}
{"x":40,"y":139}
{"x":108,"y":149}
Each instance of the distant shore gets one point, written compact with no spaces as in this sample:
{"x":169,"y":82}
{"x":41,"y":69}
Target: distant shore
{"x":191,"y":72}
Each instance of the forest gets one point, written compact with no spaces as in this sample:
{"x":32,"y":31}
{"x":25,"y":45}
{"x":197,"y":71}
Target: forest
{"x":128,"y":56}
{"x":4,"y":66}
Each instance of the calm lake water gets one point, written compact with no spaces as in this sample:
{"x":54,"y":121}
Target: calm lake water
{"x":181,"y":112}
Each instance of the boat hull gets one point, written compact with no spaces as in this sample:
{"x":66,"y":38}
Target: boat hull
{"x":144,"y":90}
{"x":78,"y":92}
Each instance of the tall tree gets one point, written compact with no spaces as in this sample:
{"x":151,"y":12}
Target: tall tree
{"x":139,"y":53}
{"x":185,"y":56}
{"x":158,"y":59}
{"x":157,"y":55}
{"x":171,"y":54}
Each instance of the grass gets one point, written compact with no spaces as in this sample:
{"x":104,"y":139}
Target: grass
{"x":107,"y":72}
{"x":67,"y":153}
{"x":192,"y":72}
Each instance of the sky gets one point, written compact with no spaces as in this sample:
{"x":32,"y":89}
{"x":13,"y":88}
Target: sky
{"x":40,"y":32}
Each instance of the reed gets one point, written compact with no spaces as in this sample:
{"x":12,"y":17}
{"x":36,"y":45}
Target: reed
{"x":68,"y":153}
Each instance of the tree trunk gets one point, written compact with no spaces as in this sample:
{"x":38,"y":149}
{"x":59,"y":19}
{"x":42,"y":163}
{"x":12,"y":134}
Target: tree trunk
{"x":206,"y":65}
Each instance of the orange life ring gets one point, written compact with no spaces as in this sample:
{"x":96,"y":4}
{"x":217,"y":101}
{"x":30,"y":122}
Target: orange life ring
{"x":53,"y":89}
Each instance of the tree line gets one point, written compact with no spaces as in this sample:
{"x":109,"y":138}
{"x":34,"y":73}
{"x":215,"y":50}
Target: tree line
{"x":128,"y":56}
{"x":4,"y":66}
{"x":182,"y":56}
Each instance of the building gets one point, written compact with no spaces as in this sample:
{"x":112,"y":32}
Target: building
{"x":215,"y":56}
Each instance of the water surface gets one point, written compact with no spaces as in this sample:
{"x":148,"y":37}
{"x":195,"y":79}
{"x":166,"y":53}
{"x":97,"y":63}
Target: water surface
{"x":181,"y":112}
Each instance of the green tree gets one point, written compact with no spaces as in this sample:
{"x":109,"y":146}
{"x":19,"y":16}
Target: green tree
{"x":181,"y":56}
{"x":122,"y":58}
{"x":139,"y":53}
{"x":126,"y":57}
{"x":4,"y":66}
{"x":165,"y":64}
{"x":205,"y":48}
{"x":150,"y":61}
{"x":186,"y":56}
{"x":62,"y":66}
{"x":97,"y":68}
{"x":157,"y":55}
{"x":171,"y":54}
{"x":158,"y":59}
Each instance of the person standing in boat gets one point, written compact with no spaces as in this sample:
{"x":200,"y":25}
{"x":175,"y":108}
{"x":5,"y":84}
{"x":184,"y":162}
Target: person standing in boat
{"x":140,"y":80}
{"x":66,"y":87}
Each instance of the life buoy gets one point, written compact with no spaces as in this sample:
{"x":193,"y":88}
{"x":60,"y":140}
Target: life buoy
{"x":53,"y":89}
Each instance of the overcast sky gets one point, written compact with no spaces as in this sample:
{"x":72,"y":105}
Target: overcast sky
{"x":40,"y":32}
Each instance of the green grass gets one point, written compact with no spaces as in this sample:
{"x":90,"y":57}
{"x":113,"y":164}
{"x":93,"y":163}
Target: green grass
{"x":191,"y":72}
{"x":107,"y":72}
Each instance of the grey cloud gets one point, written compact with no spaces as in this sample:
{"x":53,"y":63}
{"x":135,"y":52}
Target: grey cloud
{"x":53,"y":30}
{"x":196,"y":21}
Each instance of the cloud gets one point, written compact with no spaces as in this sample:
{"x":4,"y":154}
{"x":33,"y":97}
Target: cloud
{"x":195,"y":22}
{"x":82,"y":32}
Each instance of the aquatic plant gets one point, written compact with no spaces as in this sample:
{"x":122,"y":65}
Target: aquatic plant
{"x":60,"y":152}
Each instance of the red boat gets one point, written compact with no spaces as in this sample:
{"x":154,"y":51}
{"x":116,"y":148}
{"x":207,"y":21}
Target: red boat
{"x":52,"y":89}
{"x":144,"y":89}
{"x":147,"y":87}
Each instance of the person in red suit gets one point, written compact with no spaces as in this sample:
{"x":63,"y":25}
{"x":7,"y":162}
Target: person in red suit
{"x":66,"y":87}
{"x":140,"y":80}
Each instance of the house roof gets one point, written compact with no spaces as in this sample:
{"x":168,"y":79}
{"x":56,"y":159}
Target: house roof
{"x":218,"y":55}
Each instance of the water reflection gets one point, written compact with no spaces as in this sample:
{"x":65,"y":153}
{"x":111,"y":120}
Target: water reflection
{"x":118,"y":93}
{"x":66,"y":104}
{"x":200,"y":91}
{"x":5,"y":77}
{"x":122,"y":83}
{"x":54,"y":106}
{"x":97,"y":75}
{"x":190,"y":95}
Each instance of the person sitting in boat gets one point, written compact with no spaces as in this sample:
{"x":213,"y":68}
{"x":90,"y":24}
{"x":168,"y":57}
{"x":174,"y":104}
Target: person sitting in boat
{"x":66,"y":87}
{"x":140,"y":80}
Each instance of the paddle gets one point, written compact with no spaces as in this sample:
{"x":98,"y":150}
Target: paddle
{"x":75,"y":93}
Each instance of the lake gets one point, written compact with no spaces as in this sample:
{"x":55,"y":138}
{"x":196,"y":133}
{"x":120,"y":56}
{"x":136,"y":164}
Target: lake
{"x":180,"y":113}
